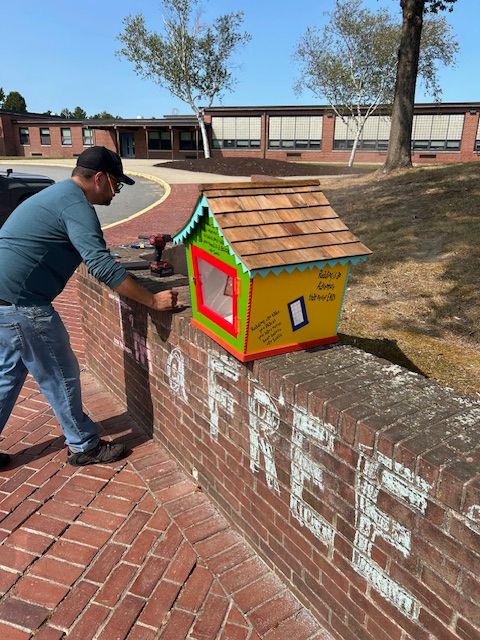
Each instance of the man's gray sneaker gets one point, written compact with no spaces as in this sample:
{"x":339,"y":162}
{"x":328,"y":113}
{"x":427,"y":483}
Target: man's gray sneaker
{"x":103,"y":453}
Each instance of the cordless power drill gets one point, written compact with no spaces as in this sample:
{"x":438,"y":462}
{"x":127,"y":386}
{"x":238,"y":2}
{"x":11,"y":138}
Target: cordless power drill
{"x":158,"y":266}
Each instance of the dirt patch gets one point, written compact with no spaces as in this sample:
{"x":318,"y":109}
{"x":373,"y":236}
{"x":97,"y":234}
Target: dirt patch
{"x":261,"y":166}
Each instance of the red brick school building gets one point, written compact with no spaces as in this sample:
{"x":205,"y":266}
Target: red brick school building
{"x":442,"y":133}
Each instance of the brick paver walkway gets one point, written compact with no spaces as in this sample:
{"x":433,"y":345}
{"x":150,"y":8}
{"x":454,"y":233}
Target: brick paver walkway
{"x":167,"y":217}
{"x":132,"y":550}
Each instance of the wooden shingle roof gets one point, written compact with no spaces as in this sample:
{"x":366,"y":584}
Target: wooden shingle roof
{"x":280,"y":223}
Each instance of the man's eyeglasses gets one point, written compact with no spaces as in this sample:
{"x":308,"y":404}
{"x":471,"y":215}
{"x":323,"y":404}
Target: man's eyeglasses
{"x":117,"y":186}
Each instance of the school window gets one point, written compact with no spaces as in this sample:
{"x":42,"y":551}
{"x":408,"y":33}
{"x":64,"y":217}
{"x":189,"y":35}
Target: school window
{"x":216,"y":290}
{"x":87,"y":136}
{"x":374,"y":136}
{"x":24,"y":135}
{"x":236,"y":132}
{"x":159,"y":140}
{"x":187,"y":140}
{"x":295,"y":132}
{"x":45,"y":136}
{"x":66,"y":136}
{"x":477,"y":141}
{"x":441,"y":132}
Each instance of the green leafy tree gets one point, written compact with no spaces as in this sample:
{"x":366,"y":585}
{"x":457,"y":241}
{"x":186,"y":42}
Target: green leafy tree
{"x":15,"y":102}
{"x":408,"y":68}
{"x":352,"y":61}
{"x":104,"y":115}
{"x":79,"y":114}
{"x":2,"y":96}
{"x":188,"y":58}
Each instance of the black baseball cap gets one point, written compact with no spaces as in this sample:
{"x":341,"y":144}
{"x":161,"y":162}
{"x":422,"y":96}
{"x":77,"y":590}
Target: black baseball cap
{"x":103,"y":159}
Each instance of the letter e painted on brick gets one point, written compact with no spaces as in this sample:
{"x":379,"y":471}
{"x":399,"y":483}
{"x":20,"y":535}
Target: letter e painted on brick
{"x":303,"y":469}
{"x":381,"y":473}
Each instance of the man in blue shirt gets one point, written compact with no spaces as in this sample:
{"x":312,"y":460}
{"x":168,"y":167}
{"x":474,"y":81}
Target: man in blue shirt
{"x":41,"y":244}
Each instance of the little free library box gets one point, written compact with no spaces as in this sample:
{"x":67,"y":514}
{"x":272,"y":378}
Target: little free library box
{"x":268,"y":265}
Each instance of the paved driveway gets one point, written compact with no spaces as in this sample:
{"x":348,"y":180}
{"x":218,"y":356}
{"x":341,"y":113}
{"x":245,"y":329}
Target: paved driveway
{"x":132,"y":199}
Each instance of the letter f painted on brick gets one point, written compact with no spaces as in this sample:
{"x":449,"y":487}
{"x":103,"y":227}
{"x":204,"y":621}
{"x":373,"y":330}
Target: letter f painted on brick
{"x":220,"y":366}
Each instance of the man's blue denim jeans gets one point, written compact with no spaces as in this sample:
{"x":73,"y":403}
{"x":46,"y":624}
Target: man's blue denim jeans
{"x":34,"y":339}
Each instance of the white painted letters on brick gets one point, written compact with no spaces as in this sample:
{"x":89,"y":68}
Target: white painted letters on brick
{"x":303,"y":468}
{"x":220,"y":366}
{"x":141,"y":351}
{"x":176,"y":373}
{"x":375,"y":473}
{"x":473,"y":518}
{"x":263,"y":422}
{"x":143,"y":355}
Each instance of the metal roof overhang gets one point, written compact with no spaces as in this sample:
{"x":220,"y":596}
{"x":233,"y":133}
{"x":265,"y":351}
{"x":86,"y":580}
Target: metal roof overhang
{"x":419,"y":107}
{"x":144,"y":124}
{"x":115,"y":124}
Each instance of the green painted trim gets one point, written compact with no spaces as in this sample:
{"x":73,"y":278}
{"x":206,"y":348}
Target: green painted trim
{"x":226,"y":256}
{"x":190,"y":227}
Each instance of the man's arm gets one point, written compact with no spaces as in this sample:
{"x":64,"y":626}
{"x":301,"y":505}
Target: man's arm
{"x":162,"y":301}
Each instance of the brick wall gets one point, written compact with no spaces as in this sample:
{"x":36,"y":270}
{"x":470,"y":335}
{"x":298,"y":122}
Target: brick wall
{"x":56,"y":149}
{"x":358,"y":481}
{"x":7,"y":137}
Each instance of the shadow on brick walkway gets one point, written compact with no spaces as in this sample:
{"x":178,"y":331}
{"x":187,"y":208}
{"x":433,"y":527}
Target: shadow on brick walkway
{"x":132,"y":550}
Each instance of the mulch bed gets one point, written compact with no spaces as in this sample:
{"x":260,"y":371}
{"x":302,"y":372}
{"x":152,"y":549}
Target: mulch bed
{"x":261,"y":166}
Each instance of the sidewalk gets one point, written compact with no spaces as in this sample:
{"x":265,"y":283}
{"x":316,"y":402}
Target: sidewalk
{"x":132,"y":550}
{"x":141,"y":166}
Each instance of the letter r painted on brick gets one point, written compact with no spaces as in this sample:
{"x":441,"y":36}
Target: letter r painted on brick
{"x":263,"y":422}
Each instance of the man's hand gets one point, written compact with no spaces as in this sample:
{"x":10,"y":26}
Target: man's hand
{"x":162,"y":301}
{"x":165,"y":300}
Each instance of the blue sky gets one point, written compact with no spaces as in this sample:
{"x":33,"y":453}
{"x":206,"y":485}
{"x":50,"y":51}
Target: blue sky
{"x":61,"y":54}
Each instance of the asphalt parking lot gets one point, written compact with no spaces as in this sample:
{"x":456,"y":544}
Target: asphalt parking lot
{"x":132,"y":198}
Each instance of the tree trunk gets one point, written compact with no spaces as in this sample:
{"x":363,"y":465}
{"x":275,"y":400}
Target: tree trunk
{"x":206,"y":145}
{"x":351,"y":160}
{"x":400,"y":144}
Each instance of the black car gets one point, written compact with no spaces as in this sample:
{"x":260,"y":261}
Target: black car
{"x":16,"y":187}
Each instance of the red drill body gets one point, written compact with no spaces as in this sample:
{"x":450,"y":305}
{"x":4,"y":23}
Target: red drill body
{"x":158,"y":266}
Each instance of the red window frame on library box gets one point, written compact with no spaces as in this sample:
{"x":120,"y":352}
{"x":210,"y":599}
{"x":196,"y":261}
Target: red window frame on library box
{"x":230,"y":272}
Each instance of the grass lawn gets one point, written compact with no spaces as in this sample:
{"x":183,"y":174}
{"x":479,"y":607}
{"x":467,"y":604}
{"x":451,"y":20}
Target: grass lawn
{"x":416,"y":300}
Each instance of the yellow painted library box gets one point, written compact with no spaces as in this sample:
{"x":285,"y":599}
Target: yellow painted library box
{"x":268,"y":265}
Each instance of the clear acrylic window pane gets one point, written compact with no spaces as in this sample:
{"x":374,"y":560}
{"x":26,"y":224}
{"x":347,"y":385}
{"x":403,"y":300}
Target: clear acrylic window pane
{"x":216,"y":288}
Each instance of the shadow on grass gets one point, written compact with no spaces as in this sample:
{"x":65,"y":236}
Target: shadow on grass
{"x":423,"y":218}
{"x":382,"y":348}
